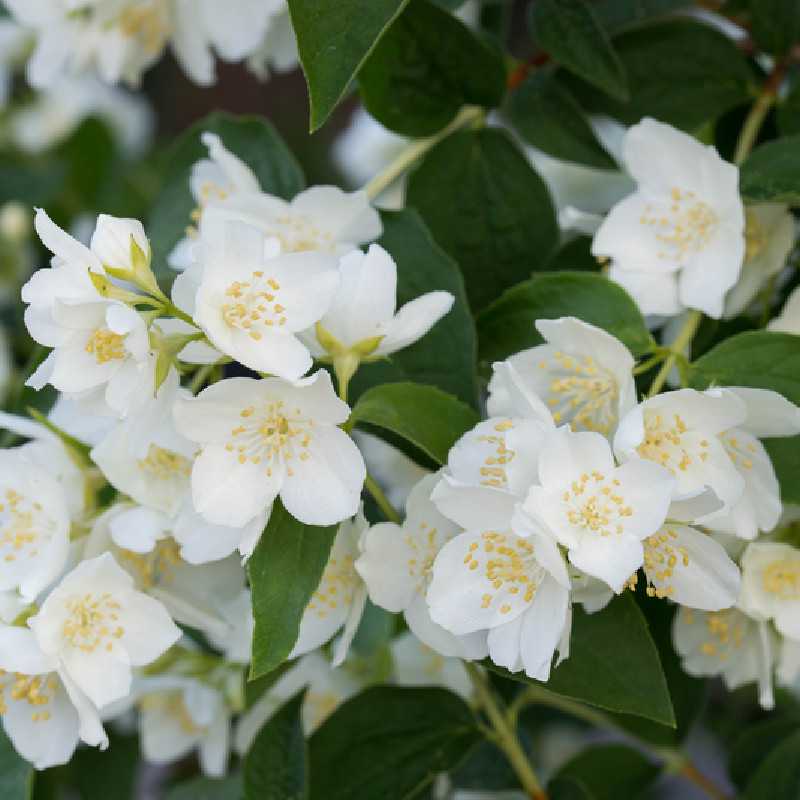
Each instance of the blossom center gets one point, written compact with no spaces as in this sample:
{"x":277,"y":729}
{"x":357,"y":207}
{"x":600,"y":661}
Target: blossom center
{"x":105,"y":345}
{"x":271,"y":434}
{"x":145,"y":23}
{"x":337,"y":586}
{"x":594,"y":504}
{"x":156,"y":568}
{"x":581,"y":392}
{"x":725,"y":630}
{"x":668,"y":445}
{"x":92,"y":622}
{"x":22,"y":524}
{"x":424,"y":547}
{"x":782,"y":578}
{"x":253,"y":306}
{"x":164,"y":464}
{"x":172,"y":705}
{"x":493,"y":471}
{"x":683,"y":227}
{"x":661,"y":557}
{"x":298,"y":234}
{"x":35,"y":690}
{"x":741,"y":454}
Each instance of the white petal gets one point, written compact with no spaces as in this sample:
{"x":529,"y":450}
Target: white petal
{"x":612,"y":559}
{"x":414,"y":320}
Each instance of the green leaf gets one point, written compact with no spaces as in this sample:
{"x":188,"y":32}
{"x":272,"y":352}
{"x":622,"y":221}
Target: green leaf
{"x":390,"y":743}
{"x":16,"y":774}
{"x":548,"y":117}
{"x":771,"y":173}
{"x":507,"y":326}
{"x":284,"y":571}
{"x":611,"y":771}
{"x":779,"y":773}
{"x":754,"y":745}
{"x":788,"y":112}
{"x":628,"y":680}
{"x":252,"y":139}
{"x":566,"y":788}
{"x":103,"y":774}
{"x":334,"y":39}
{"x":775,"y":25}
{"x":426,"y":67}
{"x":423,"y":415}
{"x":229,"y":788}
{"x":763,"y":360}
{"x":618,"y":15}
{"x":679,"y":71}
{"x":276,"y":766}
{"x":487,"y":208}
{"x":446,"y":356}
{"x":570,"y":31}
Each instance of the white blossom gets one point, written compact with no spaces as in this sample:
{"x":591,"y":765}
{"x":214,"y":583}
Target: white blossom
{"x":599,"y":511}
{"x":417,"y":664}
{"x":678,"y":241}
{"x":582,"y":373}
{"x":396,"y":565}
{"x":96,"y":627}
{"x":264,"y":438}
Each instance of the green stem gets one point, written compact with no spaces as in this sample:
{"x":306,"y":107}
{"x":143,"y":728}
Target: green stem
{"x":200,"y":377}
{"x":649,"y":363}
{"x":758,"y":113}
{"x":684,"y":337}
{"x":505,"y":736}
{"x":389,"y":511}
{"x":384,"y":179}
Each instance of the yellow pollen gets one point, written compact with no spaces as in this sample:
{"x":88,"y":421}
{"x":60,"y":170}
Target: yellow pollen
{"x":105,"y":346}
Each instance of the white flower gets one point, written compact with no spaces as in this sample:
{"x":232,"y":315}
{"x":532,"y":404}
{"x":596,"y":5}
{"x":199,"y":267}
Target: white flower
{"x":43,"y":715}
{"x":326,"y":688}
{"x":236,"y":642}
{"x":728,"y":643}
{"x":278,"y":48}
{"x":264,"y":438}
{"x":769,"y":238}
{"x":416,"y":664}
{"x":490,"y":579}
{"x":194,"y":595}
{"x":678,"y":241}
{"x":363,"y":321}
{"x":97,"y":627}
{"x":34,"y":526}
{"x":600,"y":512}
{"x":768,"y":414}
{"x":680,"y":431}
{"x":338,"y":602}
{"x":396,"y":567}
{"x":771,"y":585}
{"x":178,"y":715}
{"x":251,"y":303}
{"x":583,"y":374}
{"x":689,"y":567}
{"x":788,"y":321}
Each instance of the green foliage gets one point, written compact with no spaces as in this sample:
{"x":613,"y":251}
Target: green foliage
{"x":389,"y":743}
{"x":334,"y":39}
{"x":445,"y":357}
{"x":628,"y":680}
{"x":426,"y":67}
{"x":617,"y":15}
{"x":252,"y":139}
{"x":422,"y":415}
{"x":208,"y":789}
{"x":507,"y":325}
{"x":548,"y":117}
{"x":16,"y":774}
{"x":284,"y":571}
{"x":775,"y":24}
{"x":571,"y":32}
{"x":276,"y":766}
{"x":779,"y":773}
{"x":679,"y":71}
{"x":755,"y":744}
{"x":772,"y":174}
{"x":487,"y":208}
{"x":612,"y":771}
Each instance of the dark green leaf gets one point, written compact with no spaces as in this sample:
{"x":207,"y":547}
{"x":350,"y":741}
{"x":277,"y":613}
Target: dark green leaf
{"x":445,"y":357}
{"x":252,"y":139}
{"x":548,"y":117}
{"x":276,"y":766}
{"x":679,"y":71}
{"x":628,"y":680}
{"x":772,"y":173}
{"x":775,"y":25}
{"x":574,"y":255}
{"x":779,"y":773}
{"x":103,"y":774}
{"x":334,"y":38}
{"x":230,"y":788}
{"x":570,"y":31}
{"x":617,"y":15}
{"x":485,"y":205}
{"x":755,"y":744}
{"x":16,"y":774}
{"x":566,"y":788}
{"x":425,"y":416}
{"x":284,"y":571}
{"x":611,"y":771}
{"x":788,"y":112}
{"x":762,"y":360}
{"x":389,"y":743}
{"x":507,"y":326}
{"x":426,"y":67}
